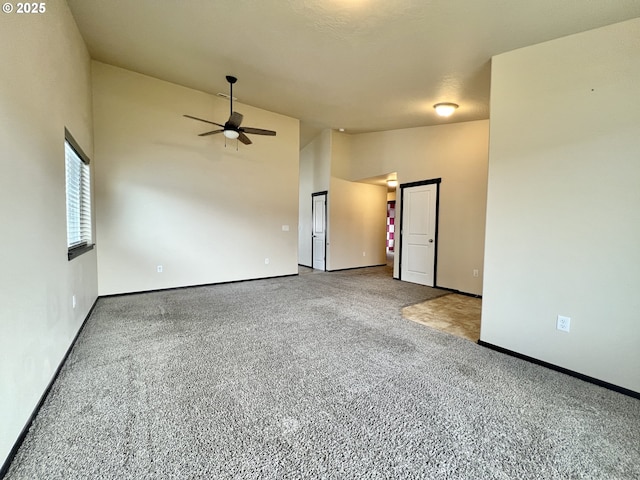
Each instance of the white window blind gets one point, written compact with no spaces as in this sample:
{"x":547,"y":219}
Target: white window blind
{"x":78,"y":198}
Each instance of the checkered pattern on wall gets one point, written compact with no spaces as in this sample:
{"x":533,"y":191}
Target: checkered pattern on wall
{"x":391,"y":227}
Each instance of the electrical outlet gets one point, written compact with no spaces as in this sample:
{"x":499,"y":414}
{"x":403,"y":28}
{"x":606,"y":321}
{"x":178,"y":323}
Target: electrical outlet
{"x":563,"y":323}
{"x":266,"y":261}
{"x":159,"y":268}
{"x":475,"y":272}
{"x":364,"y":254}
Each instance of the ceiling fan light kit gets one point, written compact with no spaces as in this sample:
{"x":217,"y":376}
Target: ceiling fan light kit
{"x":232,"y":134}
{"x":445,"y":109}
{"x":232,"y":129}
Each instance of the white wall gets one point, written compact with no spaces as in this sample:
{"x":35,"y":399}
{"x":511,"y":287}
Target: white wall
{"x":563,"y":215}
{"x":166,"y":196}
{"x":457,"y":153}
{"x":44,"y":87}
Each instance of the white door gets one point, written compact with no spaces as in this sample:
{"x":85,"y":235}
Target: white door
{"x":318,"y":248}
{"x":417,"y":260}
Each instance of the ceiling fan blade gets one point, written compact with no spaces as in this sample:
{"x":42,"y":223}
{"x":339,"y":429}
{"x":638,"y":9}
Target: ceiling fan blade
{"x":258,"y":131}
{"x":210,"y":133}
{"x":235,"y":119}
{"x":244,"y":139}
{"x":203,"y":120}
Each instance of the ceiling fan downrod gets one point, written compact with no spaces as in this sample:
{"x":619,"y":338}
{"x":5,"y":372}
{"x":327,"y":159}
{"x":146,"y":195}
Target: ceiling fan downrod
{"x":231,"y":79}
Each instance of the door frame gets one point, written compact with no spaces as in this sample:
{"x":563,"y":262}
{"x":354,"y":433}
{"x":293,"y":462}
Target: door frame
{"x":420,"y":183}
{"x":326,"y":199}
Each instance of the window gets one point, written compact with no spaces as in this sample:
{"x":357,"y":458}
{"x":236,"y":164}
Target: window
{"x":78,"y":183}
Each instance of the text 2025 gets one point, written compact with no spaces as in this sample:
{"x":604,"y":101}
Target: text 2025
{"x":31,"y":7}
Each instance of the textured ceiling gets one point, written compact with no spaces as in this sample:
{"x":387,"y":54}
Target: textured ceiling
{"x":362,"y":65}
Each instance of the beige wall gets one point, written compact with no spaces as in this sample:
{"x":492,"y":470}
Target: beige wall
{"x":357,"y":225}
{"x":563,"y":216}
{"x":315,"y":172}
{"x":44,"y":87}
{"x":356,"y":215}
{"x":321,"y":154}
{"x":340,"y":155}
{"x":165,"y":196}
{"x":305,"y":209}
{"x":457,"y":153}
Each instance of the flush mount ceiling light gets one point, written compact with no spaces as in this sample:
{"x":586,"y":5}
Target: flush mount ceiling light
{"x":445,"y":109}
{"x":392,"y":183}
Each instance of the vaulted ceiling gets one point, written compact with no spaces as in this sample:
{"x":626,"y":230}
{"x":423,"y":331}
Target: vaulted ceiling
{"x":361,"y":65}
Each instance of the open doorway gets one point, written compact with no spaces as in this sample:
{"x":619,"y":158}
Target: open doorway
{"x":388,"y":212}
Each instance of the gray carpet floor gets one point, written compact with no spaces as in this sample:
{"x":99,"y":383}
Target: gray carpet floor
{"x":313,"y":376}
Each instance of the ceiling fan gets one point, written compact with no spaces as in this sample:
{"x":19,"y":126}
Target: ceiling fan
{"x":231,"y":128}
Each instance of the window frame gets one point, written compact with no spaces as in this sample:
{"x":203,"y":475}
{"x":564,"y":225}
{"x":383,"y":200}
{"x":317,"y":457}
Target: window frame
{"x":75,"y":250}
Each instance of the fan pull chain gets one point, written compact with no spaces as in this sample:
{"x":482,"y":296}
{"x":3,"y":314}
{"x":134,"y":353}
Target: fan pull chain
{"x":225,"y":143}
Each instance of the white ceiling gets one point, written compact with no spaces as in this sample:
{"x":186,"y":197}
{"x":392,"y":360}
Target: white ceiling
{"x":362,"y":65}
